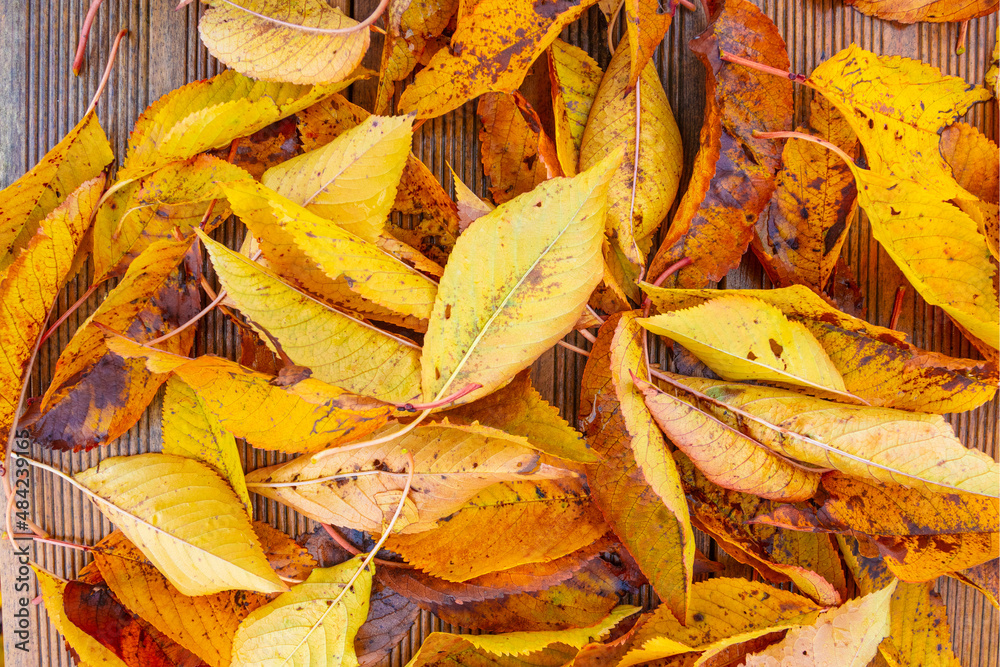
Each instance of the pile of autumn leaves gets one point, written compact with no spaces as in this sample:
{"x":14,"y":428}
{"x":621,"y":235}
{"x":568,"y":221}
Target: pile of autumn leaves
{"x":390,"y":365}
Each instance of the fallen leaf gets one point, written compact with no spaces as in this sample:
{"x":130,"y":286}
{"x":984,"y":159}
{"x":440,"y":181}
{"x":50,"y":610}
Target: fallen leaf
{"x":733,"y":173}
{"x":273,"y":41}
{"x":919,"y":558}
{"x":975,"y":163}
{"x":847,"y":636}
{"x":189,"y":429}
{"x":725,"y":455}
{"x":340,"y":349}
{"x":493,"y":46}
{"x":934,"y":11}
{"x":312,"y":624}
{"x":353,"y":179}
{"x":390,"y":617}
{"x":517,"y":153}
{"x":451,"y":464}
{"x":635,"y":484}
{"x":504,"y":526}
{"x":79,"y":157}
{"x":985,"y":578}
{"x":877,"y":364}
{"x":646,"y":26}
{"x":742,"y":338}
{"x":525,"y":258}
{"x":800,"y":233}
{"x":470,"y":206}
{"x":28,"y":288}
{"x":575,"y":78}
{"x":643,"y":187}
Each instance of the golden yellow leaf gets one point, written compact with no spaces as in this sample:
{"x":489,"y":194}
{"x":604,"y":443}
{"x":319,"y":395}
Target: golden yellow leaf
{"x":726,"y":456}
{"x":919,"y":558}
{"x":209,"y":114}
{"x":339,"y":349}
{"x":808,"y":560}
{"x":520,"y":410}
{"x":975,"y":162}
{"x":645,"y":183}
{"x":331,"y":262}
{"x":184,"y":518}
{"x":203,"y":624}
{"x":575,"y":78}
{"x":517,"y":153}
{"x":452,"y":463}
{"x":933,"y":11}
{"x":937,"y":246}
{"x":174,"y":197}
{"x":878,"y":365}
{"x":303,"y":417}
{"x":516,"y":283}
{"x":353,"y":179}
{"x":800,"y":233}
{"x":722,"y":612}
{"x":312,"y":624}
{"x":29,"y":286}
{"x":504,"y":526}
{"x":78,"y":157}
{"x":646,"y":26}
{"x":90,"y":651}
{"x":844,"y":637}
{"x":898,"y":107}
{"x":993,"y":73}
{"x":448,"y":650}
{"x":273,"y":40}
{"x":189,"y":430}
{"x":984,"y":578}
{"x":908,"y":448}
{"x":636,"y":484}
{"x":491,"y":51}
{"x":522,"y":643}
{"x":410,"y":28}
{"x":470,"y":206}
{"x":742,"y":338}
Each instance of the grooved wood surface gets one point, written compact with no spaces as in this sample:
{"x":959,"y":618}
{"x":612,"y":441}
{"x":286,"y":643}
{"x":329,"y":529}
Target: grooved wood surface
{"x":42,"y":100}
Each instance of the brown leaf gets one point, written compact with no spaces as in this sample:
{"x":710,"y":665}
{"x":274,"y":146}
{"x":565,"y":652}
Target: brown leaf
{"x":734,"y":172}
{"x":934,"y":11}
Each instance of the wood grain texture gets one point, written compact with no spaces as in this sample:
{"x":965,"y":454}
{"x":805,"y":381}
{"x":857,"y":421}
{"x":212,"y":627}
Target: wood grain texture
{"x":43,"y":101}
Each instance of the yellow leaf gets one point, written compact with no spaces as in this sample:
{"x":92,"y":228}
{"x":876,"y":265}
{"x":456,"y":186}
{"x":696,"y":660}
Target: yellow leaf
{"x":331,"y":262}
{"x":726,"y":456}
{"x":975,"y":162}
{"x":984,"y":578}
{"x":898,"y":108}
{"x":646,"y":27}
{"x":516,"y":283}
{"x":645,"y":183}
{"x":184,"y":518}
{"x":520,"y":410}
{"x":209,"y":114}
{"x":491,"y":51}
{"x":938,"y":248}
{"x":722,"y":612}
{"x":742,"y":338}
{"x":90,"y":651}
{"x":304,"y":417}
{"x":575,"y":78}
{"x":452,"y":464}
{"x":441,"y":649}
{"x":274,"y":41}
{"x":913,"y":449}
{"x":919,"y":558}
{"x":191,"y":431}
{"x":29,"y":286}
{"x":174,"y":197}
{"x":846,"y":637}
{"x":115,"y":394}
{"x":339,"y":349}
{"x":470,"y":206}
{"x":353,"y":179}
{"x":312,"y":624}
{"x":203,"y":624}
{"x":523,"y":643}
{"x":877,"y":364}
{"x":504,"y":526}
{"x":78,"y":157}
{"x":636,"y":484}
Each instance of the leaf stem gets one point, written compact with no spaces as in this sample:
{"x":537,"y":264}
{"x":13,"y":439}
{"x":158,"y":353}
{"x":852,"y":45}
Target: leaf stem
{"x":322,"y":31}
{"x":469,"y":388}
{"x":963,"y":30}
{"x":81,"y":45}
{"x":107,"y":70}
{"x":897,"y":306}
{"x":354,"y":551}
{"x":573,"y":348}
{"x":318,"y":456}
{"x":807,"y":137}
{"x":761,"y":67}
{"x":49,"y":540}
{"x":69,"y":311}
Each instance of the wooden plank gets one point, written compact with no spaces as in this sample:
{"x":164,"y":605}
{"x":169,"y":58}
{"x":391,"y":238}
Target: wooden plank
{"x":43,"y":101}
